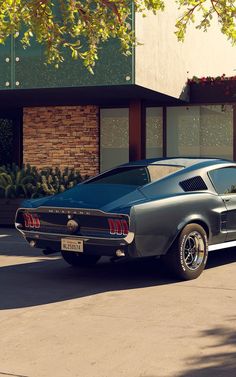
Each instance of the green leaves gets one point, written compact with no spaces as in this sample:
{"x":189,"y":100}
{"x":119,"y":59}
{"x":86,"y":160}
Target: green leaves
{"x":223,"y":10}
{"x":72,"y":25}
{"x":80,"y":26}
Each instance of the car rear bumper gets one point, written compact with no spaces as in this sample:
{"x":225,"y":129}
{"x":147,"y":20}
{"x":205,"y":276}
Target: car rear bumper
{"x":91,"y":245}
{"x":52,"y":226}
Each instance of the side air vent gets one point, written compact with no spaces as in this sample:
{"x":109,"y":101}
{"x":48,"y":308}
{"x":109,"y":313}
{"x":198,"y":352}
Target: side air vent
{"x":193,"y":184}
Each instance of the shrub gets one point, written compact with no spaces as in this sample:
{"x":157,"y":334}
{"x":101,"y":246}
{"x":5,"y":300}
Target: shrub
{"x":29,"y":182}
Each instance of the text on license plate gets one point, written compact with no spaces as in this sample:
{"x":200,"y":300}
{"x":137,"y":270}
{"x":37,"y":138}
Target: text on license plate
{"x":72,"y":245}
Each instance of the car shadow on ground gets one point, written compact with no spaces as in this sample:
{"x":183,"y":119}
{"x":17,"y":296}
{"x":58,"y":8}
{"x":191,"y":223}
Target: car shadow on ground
{"x":12,"y":243}
{"x":46,"y":281}
{"x":52,"y":280}
{"x":215,"y":360}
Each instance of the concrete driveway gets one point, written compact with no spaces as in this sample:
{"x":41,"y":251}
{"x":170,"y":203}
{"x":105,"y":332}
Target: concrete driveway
{"x":125,"y":319}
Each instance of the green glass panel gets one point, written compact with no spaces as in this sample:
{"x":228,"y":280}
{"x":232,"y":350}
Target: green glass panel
{"x":112,"y":68}
{"x":6,"y":65}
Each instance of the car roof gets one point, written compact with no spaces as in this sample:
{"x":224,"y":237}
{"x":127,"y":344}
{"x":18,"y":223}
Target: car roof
{"x":180,"y":161}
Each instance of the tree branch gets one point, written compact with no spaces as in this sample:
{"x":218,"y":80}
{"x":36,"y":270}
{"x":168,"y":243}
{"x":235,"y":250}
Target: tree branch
{"x":112,"y":6}
{"x":190,"y":12}
{"x":214,"y":7}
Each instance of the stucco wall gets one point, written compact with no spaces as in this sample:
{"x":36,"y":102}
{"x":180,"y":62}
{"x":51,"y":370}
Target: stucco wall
{"x":164,"y":64}
{"x":62,"y":136}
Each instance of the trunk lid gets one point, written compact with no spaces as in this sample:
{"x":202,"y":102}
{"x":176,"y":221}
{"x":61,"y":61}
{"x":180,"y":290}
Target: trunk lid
{"x":100,"y":210}
{"x":104,"y":197}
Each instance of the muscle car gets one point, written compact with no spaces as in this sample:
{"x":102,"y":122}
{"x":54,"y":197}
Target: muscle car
{"x":174,"y":208}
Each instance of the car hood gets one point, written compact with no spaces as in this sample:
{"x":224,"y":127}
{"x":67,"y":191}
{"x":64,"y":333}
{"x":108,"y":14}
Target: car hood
{"x":105,"y":197}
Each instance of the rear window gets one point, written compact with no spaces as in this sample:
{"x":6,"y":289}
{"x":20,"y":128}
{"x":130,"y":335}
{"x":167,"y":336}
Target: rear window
{"x":135,"y":176}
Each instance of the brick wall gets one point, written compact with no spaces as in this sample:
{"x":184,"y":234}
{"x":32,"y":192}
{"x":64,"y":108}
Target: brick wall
{"x":62,"y":136}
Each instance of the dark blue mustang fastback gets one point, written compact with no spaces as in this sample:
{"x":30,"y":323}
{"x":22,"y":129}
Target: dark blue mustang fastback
{"x":176,"y":208}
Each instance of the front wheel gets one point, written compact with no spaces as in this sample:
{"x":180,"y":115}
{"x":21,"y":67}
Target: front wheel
{"x":79,"y":260}
{"x":188,"y":255}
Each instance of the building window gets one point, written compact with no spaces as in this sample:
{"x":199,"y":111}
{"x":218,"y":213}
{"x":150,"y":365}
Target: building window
{"x":204,"y":131}
{"x":114,"y":137}
{"x":154,"y":132}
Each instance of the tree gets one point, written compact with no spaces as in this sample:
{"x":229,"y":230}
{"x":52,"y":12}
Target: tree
{"x":224,"y":10}
{"x":81,"y":26}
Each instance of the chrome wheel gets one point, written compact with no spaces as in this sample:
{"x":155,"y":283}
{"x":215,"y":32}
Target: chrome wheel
{"x":188,"y":255}
{"x":194,"y":250}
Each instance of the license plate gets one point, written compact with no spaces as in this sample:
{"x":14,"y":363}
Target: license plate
{"x":72,"y":245}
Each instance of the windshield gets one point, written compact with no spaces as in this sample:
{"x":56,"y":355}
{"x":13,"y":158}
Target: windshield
{"x":135,"y":175}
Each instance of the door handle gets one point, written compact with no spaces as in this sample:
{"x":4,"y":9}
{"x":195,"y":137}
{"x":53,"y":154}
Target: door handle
{"x":226,"y":200}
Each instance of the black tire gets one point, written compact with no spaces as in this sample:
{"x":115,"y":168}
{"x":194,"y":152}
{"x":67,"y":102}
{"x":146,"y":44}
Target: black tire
{"x":188,"y":256}
{"x":80,"y":260}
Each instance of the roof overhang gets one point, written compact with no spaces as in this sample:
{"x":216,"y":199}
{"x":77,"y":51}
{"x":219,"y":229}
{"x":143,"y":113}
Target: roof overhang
{"x":105,"y":96}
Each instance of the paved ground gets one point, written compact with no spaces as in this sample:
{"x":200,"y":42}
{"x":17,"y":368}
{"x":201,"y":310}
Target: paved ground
{"x":126,"y":319}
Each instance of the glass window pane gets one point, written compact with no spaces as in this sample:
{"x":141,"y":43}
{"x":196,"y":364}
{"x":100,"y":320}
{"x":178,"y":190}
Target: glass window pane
{"x":217,"y":131}
{"x":224,"y":180}
{"x":135,"y":176}
{"x":204,"y":131}
{"x":183,"y":136}
{"x":114,"y":137}
{"x":154,"y":133}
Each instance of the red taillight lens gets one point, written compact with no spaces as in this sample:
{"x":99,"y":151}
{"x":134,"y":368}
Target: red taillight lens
{"x":31,"y":220}
{"x":36,"y":222}
{"x":125,"y":227}
{"x":27,"y":220}
{"x":112,"y":226}
{"x":119,"y":227}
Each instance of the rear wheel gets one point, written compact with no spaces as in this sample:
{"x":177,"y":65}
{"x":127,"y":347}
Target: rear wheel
{"x":188,"y":255}
{"x":79,"y":260}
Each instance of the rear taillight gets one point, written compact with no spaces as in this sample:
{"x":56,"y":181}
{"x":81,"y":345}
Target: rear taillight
{"x":31,"y":220}
{"x":118,"y":227}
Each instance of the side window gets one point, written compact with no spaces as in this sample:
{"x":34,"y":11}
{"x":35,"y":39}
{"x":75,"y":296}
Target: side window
{"x":224,"y":180}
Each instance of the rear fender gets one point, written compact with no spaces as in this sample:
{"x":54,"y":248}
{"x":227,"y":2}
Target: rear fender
{"x":191,"y":220}
{"x":158,"y":223}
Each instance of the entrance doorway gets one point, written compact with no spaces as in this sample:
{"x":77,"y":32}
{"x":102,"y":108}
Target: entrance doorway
{"x":11,"y":137}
